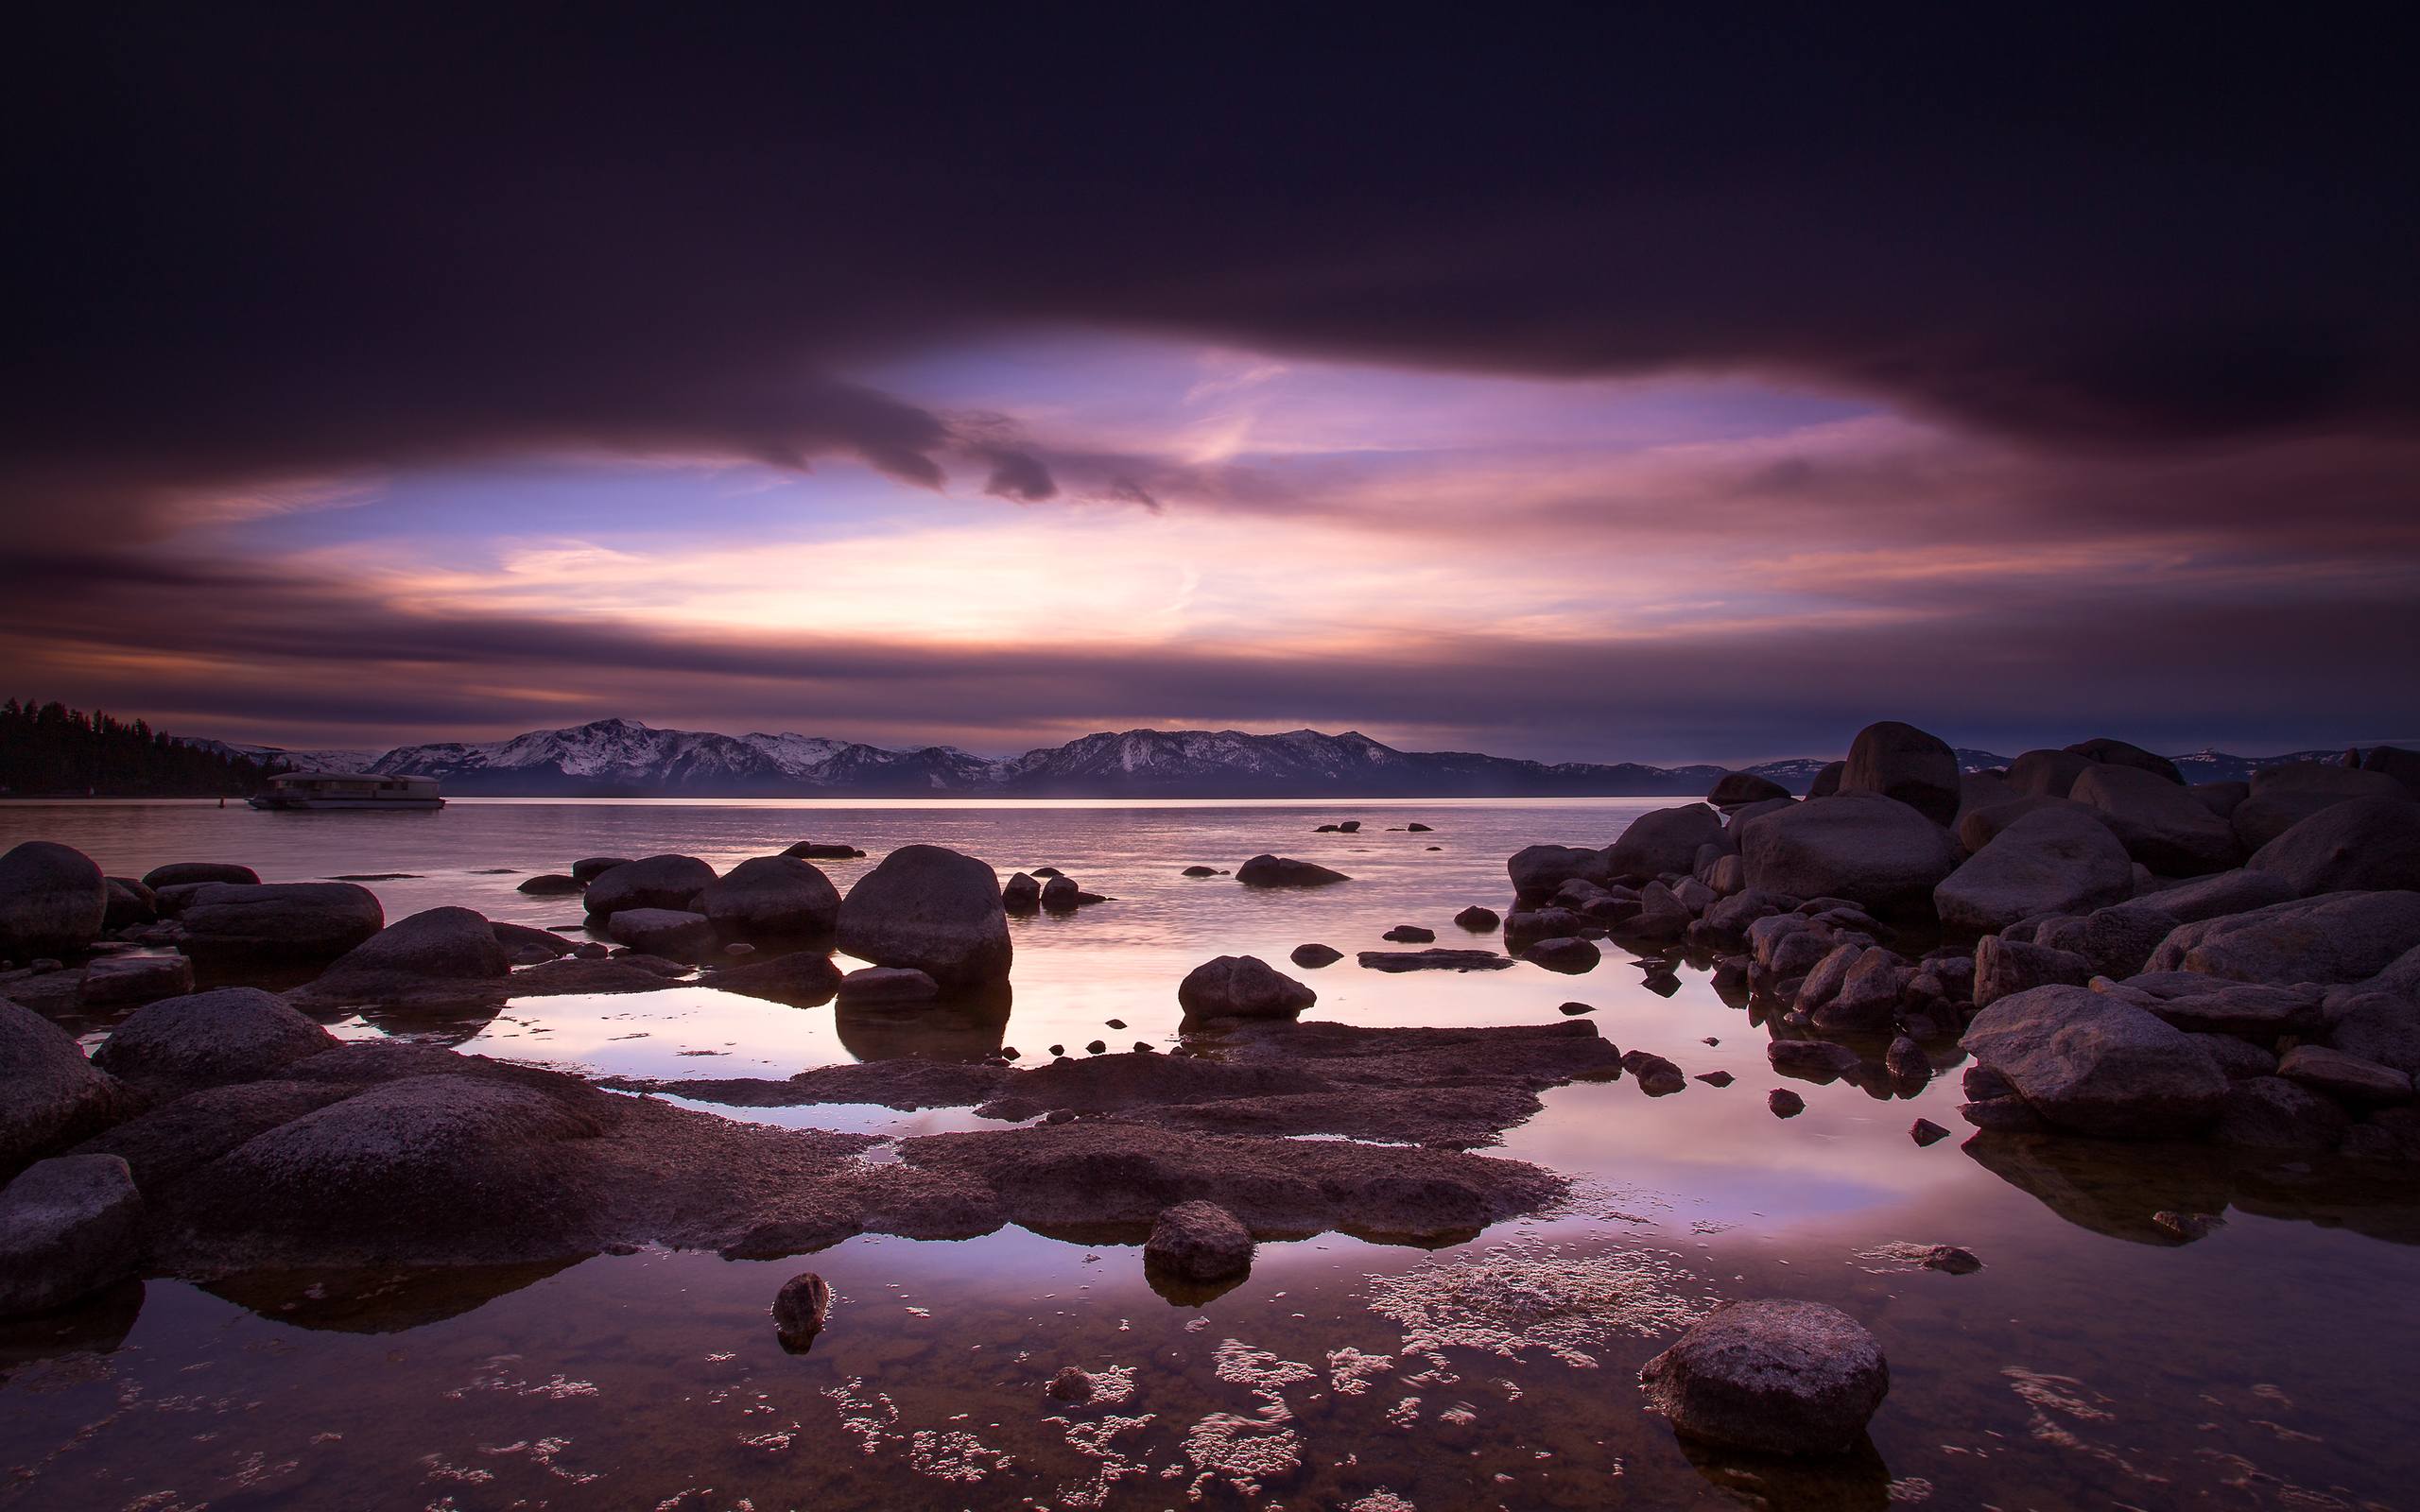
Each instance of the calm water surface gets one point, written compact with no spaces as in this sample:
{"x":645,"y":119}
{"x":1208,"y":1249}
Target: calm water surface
{"x":2091,"y":1364}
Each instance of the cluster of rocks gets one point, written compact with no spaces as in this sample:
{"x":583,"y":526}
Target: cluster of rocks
{"x":1046,"y":890}
{"x":2121,"y":953}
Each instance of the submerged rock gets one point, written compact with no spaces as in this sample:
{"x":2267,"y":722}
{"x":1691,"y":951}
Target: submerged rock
{"x":1433,"y":960}
{"x":1241,"y":986}
{"x":1284,"y":871}
{"x":770,"y":898}
{"x":801,"y":1309}
{"x":672,"y":933}
{"x":1313,"y":956}
{"x":931,"y":909}
{"x":550,"y":885}
{"x":888,"y":984}
{"x":182,"y":873}
{"x":69,"y":1227}
{"x":671,"y":882}
{"x":1198,"y":1242}
{"x":1565,"y":955}
{"x":1781,"y":1376}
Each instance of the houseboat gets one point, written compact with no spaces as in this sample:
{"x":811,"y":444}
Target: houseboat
{"x":348,"y":790}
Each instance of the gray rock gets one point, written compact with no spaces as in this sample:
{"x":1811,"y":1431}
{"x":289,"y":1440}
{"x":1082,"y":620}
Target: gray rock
{"x":53,"y":901}
{"x":589,"y":869}
{"x":1284,"y":871}
{"x":2047,"y":773}
{"x":1824,"y":983}
{"x":2354,"y":845}
{"x":1241,"y":986}
{"x":230,"y":1034}
{"x":1979,"y":827}
{"x":2273,"y":1114}
{"x":673,"y":932}
{"x":130,"y":981}
{"x":1198,"y":1242}
{"x":276,"y":924}
{"x":1432,"y":960}
{"x":2225,"y":892}
{"x":1775,"y":1376}
{"x":69,"y":1227}
{"x":2121,"y":753}
{"x":1022,"y":893}
{"x":1479,"y":921}
{"x":54,"y":1095}
{"x":184,"y":873}
{"x":1868,"y":1000}
{"x":130,"y":903}
{"x":2089,"y":1064}
{"x":1828,"y":779}
{"x":2221,"y":798}
{"x":2006,"y":966}
{"x":2051,"y":861}
{"x":2160,"y":824}
{"x":1565,"y":954}
{"x":2260,"y":1009}
{"x":2342,"y":936}
{"x":801,"y":1308}
{"x":1734,"y":790}
{"x":888,"y":984}
{"x":2346,"y":1078}
{"x":2403,"y":765}
{"x":2283,"y":797}
{"x":550,"y":885}
{"x":667,"y":881}
{"x":934,"y":910}
{"x":2240,"y":1058}
{"x":1314,"y":955}
{"x":1661,"y":915}
{"x":1660,"y":841}
{"x":824,"y":850}
{"x":1817,"y":1060}
{"x":1898,"y":761}
{"x":2115,"y":941}
{"x":440,"y":955}
{"x":771,"y":898}
{"x":2381,"y":1027}
{"x":1871,"y":850}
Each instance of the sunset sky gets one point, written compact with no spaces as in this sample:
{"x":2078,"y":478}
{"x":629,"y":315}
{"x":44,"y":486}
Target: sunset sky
{"x":1640,"y":396}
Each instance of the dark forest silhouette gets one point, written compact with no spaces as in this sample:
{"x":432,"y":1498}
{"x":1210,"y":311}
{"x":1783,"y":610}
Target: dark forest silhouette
{"x":50,"y":749}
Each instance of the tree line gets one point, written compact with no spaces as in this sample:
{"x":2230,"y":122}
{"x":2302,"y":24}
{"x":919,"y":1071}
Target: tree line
{"x":50,"y":750}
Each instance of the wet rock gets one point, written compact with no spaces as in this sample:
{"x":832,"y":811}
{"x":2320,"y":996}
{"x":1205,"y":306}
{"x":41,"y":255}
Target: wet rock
{"x":1658,"y":842}
{"x":53,"y":900}
{"x":824,"y":850}
{"x":1925,"y":1132}
{"x":1871,"y":850}
{"x":1073,"y":1385}
{"x":1825,"y":980}
{"x":2185,"y":1227}
{"x":2362,"y":845}
{"x":550,"y":885}
{"x":1538,"y":871}
{"x":934,"y":910}
{"x":2051,"y":861}
{"x":130,"y":903}
{"x":2107,"y":751}
{"x":770,"y":898}
{"x":1737,"y":789}
{"x":1900,"y":762}
{"x":69,"y":1227}
{"x":1661,"y":915}
{"x":1817,"y":1060}
{"x":1779,"y":1376}
{"x":526,"y":946}
{"x":2346,"y":937}
{"x":2159,"y":823}
{"x":1415,"y":827}
{"x":2378,"y":1026}
{"x":2005,"y":967}
{"x":1241,"y":986}
{"x":1409,"y":934}
{"x":1022,"y":893}
{"x":1954,"y":1259}
{"x":1907,"y":1062}
{"x":1565,"y":954}
{"x":209,"y":1039}
{"x":224,"y":925}
{"x":668,"y":932}
{"x":1716,"y":1078}
{"x":1198,"y":1242}
{"x":1315,"y":956}
{"x":1199,"y":872}
{"x":1785,"y":1103}
{"x":669,"y":883}
{"x":2347,"y":1078}
{"x":183,"y":874}
{"x":441,"y":954}
{"x":2091,"y":1065}
{"x":801,"y":1308}
{"x":1060,"y":895}
{"x":1284,"y":871}
{"x":128,"y":981}
{"x":590,"y":868}
{"x":2047,"y":773}
{"x":1477,"y":920}
{"x":2273,"y":1114}
{"x":1655,"y":1075}
{"x":54,"y":1095}
{"x":888,"y":984}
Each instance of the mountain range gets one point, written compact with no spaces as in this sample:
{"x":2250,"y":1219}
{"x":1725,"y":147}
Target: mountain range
{"x":622,"y":758}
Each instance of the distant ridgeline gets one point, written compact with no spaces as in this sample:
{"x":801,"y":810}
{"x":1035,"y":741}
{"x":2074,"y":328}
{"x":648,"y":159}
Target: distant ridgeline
{"x":50,"y":750}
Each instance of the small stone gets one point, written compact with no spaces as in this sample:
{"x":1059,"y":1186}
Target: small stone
{"x":1097,"y":1047}
{"x":1315,"y":956}
{"x":1199,"y":1241}
{"x":1924,"y":1131}
{"x":1716,"y":1078}
{"x":801,"y":1309}
{"x":1070,"y":1385}
{"x":1785,"y":1103}
{"x":2187,"y":1226}
{"x":1573,"y":1009}
{"x":1779,"y":1376}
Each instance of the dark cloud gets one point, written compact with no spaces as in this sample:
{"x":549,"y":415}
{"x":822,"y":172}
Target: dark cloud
{"x":370,"y":238}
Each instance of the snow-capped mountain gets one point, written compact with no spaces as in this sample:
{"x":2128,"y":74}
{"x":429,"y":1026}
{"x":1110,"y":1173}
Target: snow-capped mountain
{"x":1306,"y":764}
{"x":298,"y":760}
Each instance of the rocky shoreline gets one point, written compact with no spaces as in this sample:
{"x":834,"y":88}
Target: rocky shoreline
{"x":2114,"y":955}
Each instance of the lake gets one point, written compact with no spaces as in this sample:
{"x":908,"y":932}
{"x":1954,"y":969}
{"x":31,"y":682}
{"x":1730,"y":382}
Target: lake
{"x":2094,"y":1361}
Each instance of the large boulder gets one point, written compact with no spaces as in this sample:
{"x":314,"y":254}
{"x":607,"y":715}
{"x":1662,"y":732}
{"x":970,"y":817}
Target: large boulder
{"x":2090,"y":1064}
{"x":1241,"y":986}
{"x":2121,"y":754}
{"x":2238,"y":891}
{"x":1737,"y":789}
{"x":130,"y":980}
{"x":1663,"y":840}
{"x":674,"y":934}
{"x":1539,"y":872}
{"x":2161,"y":825}
{"x":69,"y":1227}
{"x":652,"y":882}
{"x":1901,"y":761}
{"x":210,"y":1038}
{"x":1980,"y":826}
{"x":1828,"y":779}
{"x":2403,"y":765}
{"x":130,"y":903}
{"x":53,"y":1096}
{"x":2004,"y":968}
{"x":2047,"y":773}
{"x":1872,"y":851}
{"x":771,"y":898}
{"x":2354,"y":845}
{"x":2116,"y":941}
{"x":274,"y":924}
{"x":932,"y":909}
{"x":1284,"y":871}
{"x":1198,"y":1242}
{"x":438,"y":954}
{"x":2051,"y":861}
{"x":2283,"y":797}
{"x":1777,"y":1376}
{"x":183,"y":874}
{"x":2342,"y":936}
{"x":53,"y":900}
{"x":2221,"y":798}
{"x":588,"y":869}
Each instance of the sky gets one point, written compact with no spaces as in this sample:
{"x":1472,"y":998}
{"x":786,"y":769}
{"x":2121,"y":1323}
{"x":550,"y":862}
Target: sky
{"x":1563,"y":385}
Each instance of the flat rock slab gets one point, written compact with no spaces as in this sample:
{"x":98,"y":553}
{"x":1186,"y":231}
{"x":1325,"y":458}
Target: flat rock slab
{"x":1435,"y":960}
